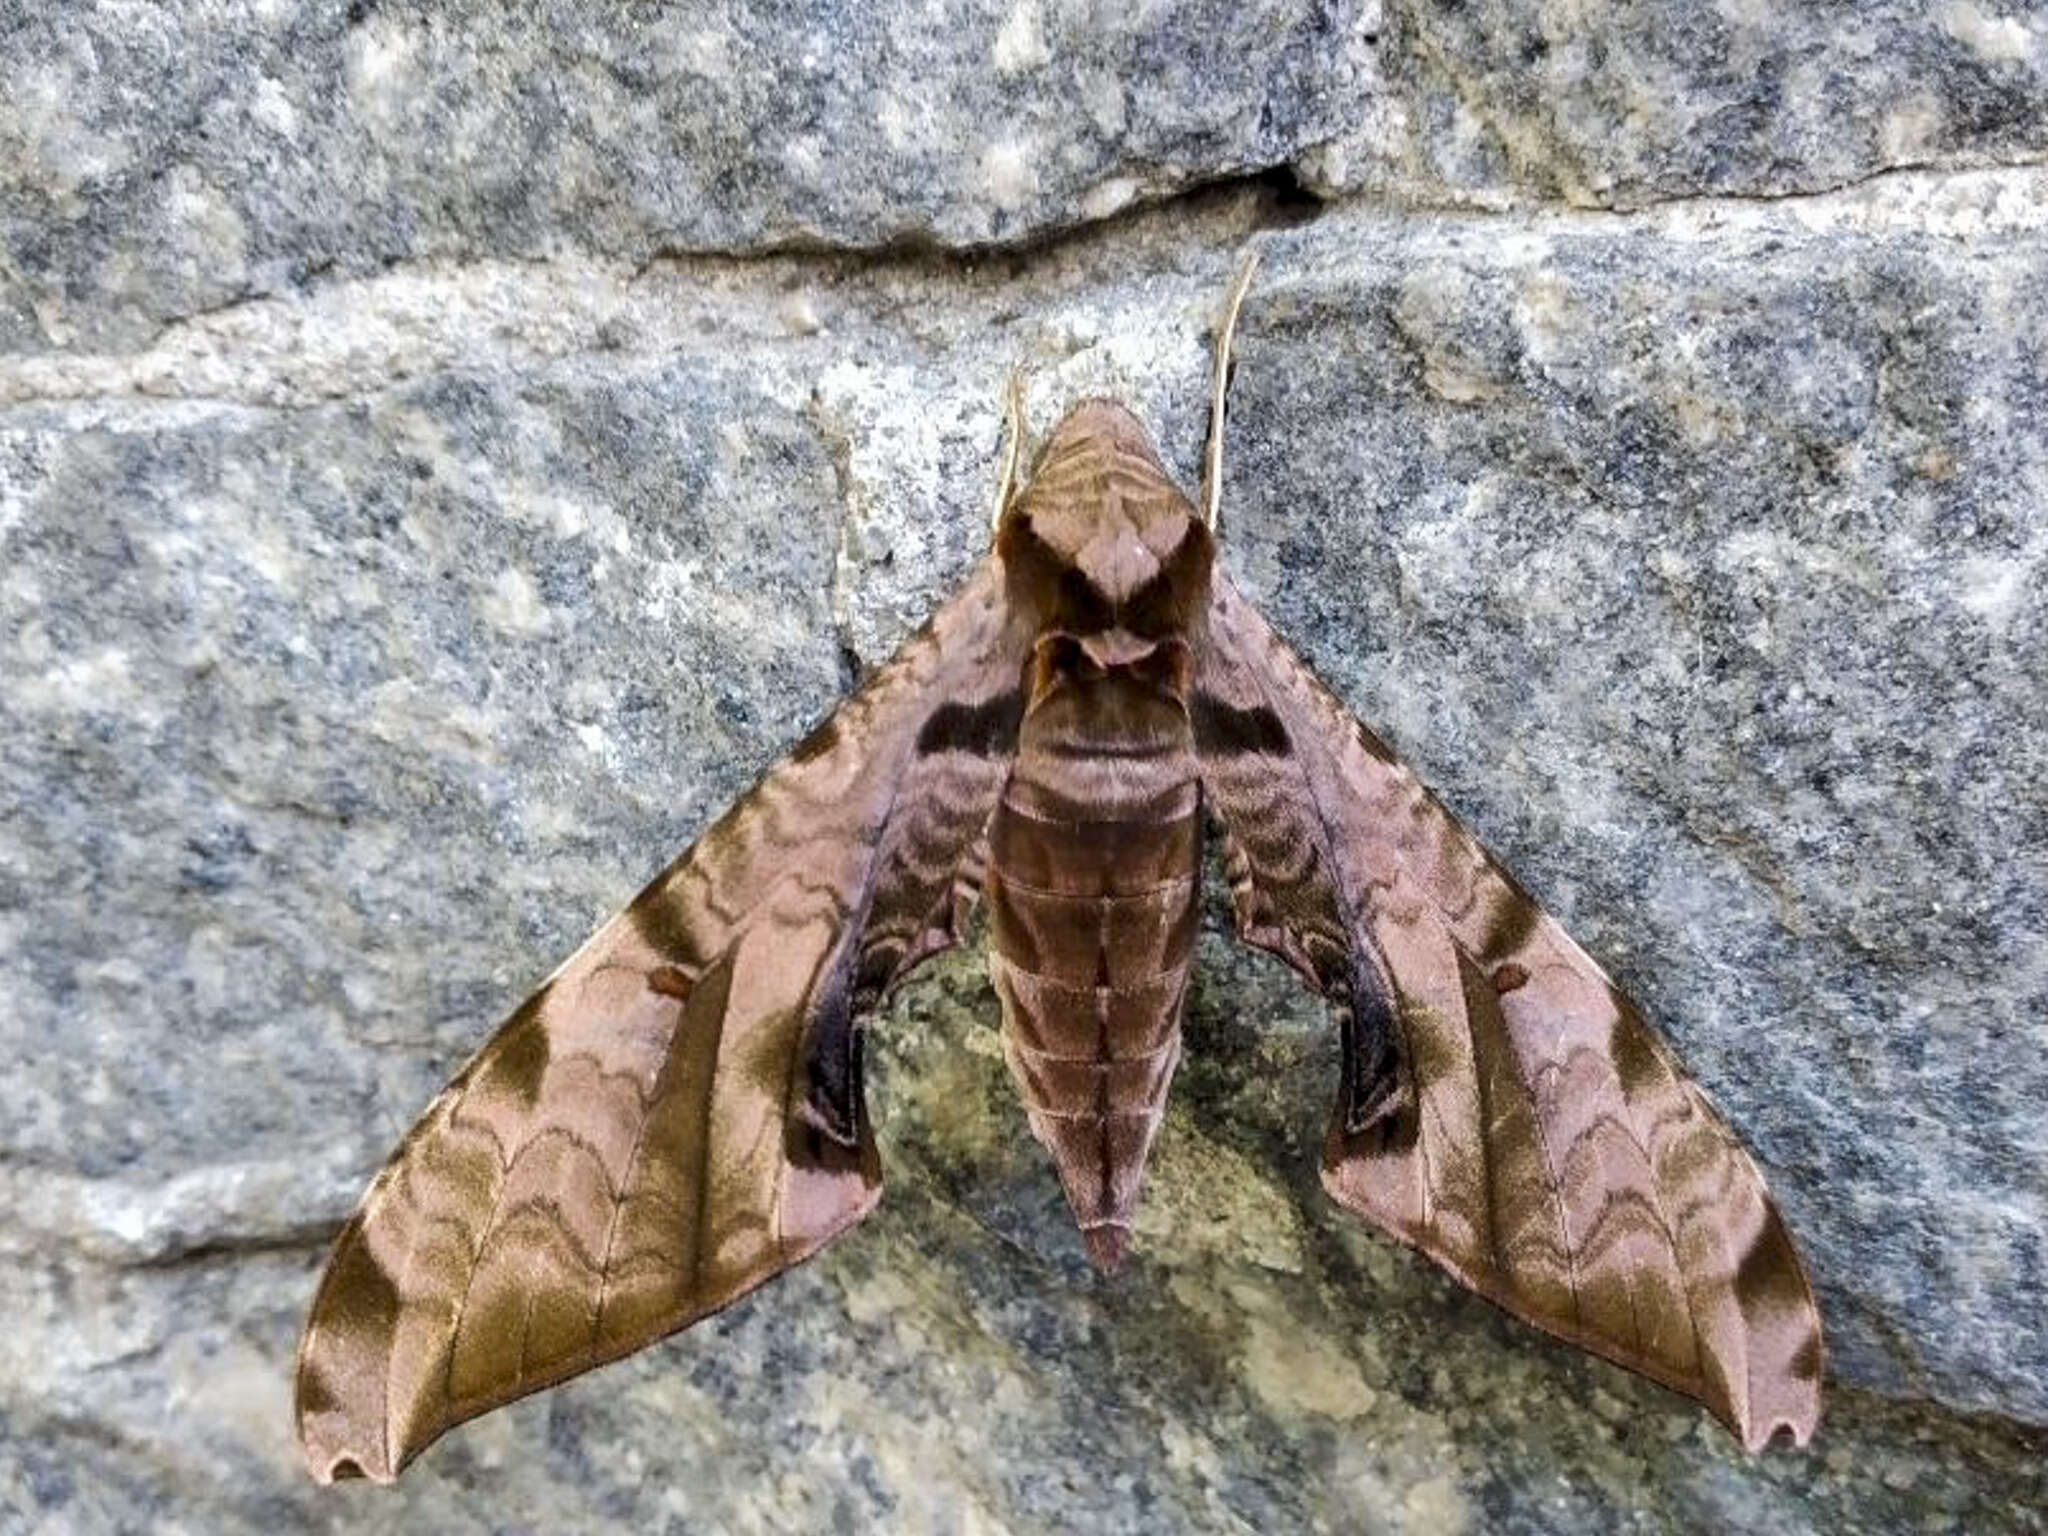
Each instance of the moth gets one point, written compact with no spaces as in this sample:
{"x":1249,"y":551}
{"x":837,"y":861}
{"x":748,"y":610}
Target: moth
{"x":677,"y":1115}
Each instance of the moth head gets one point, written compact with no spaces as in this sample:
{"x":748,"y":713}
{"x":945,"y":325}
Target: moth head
{"x":1099,"y":544}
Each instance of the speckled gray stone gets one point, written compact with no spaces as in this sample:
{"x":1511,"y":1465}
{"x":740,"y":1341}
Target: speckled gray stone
{"x":366,"y":635}
{"x":1633,"y":102}
{"x":160,"y":159}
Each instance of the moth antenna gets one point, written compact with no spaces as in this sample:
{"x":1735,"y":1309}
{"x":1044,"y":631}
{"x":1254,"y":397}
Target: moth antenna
{"x":1212,"y":458}
{"x":1013,"y":421}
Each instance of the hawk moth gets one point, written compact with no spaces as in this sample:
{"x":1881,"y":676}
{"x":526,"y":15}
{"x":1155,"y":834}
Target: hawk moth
{"x":677,"y":1116}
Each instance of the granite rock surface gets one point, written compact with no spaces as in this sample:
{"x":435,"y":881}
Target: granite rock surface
{"x":167,"y":158}
{"x":380,"y":607}
{"x":1636,"y":102}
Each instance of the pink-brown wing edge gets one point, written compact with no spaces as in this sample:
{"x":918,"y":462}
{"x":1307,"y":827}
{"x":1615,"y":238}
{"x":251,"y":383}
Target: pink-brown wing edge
{"x":673,"y":1118}
{"x":1543,"y":1146}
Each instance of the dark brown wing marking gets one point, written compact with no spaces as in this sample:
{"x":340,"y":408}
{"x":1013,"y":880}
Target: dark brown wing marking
{"x":675,"y":1117}
{"x":1544,"y":1148}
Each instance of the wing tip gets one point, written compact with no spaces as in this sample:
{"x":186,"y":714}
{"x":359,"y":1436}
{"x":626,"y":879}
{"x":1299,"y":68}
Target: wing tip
{"x":329,"y":1467}
{"x":1761,"y":1434}
{"x":1761,"y":1437}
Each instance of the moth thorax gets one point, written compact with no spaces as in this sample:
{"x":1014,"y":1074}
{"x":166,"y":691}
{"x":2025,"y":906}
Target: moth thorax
{"x":1102,"y":505}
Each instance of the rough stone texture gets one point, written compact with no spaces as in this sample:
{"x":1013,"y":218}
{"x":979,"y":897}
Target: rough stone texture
{"x":1630,"y":102}
{"x":365,"y":641}
{"x":159,"y":159}
{"x":163,"y":159}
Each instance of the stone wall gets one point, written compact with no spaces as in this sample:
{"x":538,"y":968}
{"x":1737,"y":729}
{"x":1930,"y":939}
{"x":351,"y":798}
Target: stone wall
{"x":446,"y":453}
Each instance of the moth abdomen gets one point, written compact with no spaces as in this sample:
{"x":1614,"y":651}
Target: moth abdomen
{"x":1093,"y":890}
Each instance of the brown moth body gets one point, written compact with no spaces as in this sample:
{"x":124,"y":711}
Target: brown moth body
{"x":677,"y":1115}
{"x":1095,"y":849}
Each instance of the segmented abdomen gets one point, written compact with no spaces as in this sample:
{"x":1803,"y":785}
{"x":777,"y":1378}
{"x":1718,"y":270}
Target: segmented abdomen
{"x":1093,"y":905}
